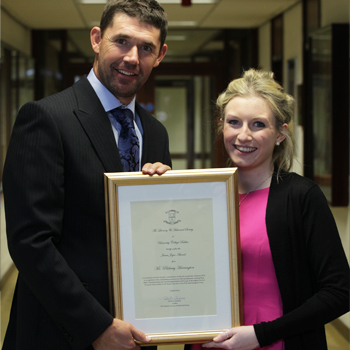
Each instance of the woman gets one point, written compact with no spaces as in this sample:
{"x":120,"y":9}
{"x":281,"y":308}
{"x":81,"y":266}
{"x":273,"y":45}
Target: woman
{"x":295,"y":273}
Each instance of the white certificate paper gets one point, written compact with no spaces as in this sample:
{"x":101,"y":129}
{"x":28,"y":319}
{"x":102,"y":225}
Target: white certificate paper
{"x":174,"y":274}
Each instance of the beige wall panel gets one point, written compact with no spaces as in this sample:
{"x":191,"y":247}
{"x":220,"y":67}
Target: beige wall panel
{"x":15,"y":35}
{"x":334,"y":11}
{"x":265,"y":46}
{"x":293,"y":40}
{"x":293,"y":49}
{"x":45,"y":14}
{"x":337,"y":11}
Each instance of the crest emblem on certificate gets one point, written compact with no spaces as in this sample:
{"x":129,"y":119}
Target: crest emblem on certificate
{"x":172,"y":217}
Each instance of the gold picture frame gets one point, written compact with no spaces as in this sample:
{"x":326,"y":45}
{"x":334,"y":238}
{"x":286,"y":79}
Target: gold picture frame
{"x":174,"y":253}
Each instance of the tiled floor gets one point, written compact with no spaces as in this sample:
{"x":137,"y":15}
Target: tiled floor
{"x":334,"y":339}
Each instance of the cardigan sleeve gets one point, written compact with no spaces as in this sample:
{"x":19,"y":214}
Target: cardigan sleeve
{"x":314,"y":284}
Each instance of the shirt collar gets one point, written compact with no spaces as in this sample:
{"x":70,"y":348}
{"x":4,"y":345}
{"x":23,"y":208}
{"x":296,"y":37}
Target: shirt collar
{"x":108,"y":100}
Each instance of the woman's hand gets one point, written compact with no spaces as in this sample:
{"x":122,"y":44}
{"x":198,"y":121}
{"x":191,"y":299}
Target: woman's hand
{"x":239,"y":338}
{"x":155,"y":168}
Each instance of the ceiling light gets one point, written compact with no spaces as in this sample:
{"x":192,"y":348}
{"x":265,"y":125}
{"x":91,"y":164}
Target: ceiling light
{"x":93,"y":2}
{"x":176,"y":38}
{"x":182,"y":23}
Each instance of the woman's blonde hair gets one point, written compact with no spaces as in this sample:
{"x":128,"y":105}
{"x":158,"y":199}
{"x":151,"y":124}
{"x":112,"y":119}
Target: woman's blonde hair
{"x":261,"y":83}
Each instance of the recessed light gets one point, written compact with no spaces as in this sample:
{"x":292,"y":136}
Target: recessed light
{"x":182,"y":23}
{"x":93,"y":2}
{"x":176,"y":38}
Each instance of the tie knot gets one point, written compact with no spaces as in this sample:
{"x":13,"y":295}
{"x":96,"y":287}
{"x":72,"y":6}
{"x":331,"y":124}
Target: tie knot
{"x":124,"y":116}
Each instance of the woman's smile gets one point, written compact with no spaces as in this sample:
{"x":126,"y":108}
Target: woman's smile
{"x":245,"y":149}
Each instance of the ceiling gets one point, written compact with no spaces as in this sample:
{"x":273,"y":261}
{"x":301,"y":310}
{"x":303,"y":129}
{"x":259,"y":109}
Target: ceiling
{"x":191,"y":28}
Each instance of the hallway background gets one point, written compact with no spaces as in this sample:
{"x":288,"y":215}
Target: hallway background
{"x":45,"y":47}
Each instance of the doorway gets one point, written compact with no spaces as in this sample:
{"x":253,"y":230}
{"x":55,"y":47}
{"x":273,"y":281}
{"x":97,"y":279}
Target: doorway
{"x":184,"y":106}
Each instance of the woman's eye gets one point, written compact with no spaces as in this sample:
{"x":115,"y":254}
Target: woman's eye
{"x":259,"y":124}
{"x":233,"y":122}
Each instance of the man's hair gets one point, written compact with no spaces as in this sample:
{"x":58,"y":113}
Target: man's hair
{"x":147,"y":11}
{"x":259,"y":83}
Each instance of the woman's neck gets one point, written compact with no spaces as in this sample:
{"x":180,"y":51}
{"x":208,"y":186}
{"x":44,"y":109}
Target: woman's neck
{"x":254,"y":179}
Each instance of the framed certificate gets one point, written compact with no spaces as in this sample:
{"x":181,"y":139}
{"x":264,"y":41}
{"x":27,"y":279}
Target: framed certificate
{"x":174,"y":257}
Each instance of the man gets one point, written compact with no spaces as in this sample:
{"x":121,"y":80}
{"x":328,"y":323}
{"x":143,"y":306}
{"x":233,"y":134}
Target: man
{"x":54,"y":187}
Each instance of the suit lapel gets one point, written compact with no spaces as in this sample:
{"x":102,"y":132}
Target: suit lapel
{"x":97,"y":126}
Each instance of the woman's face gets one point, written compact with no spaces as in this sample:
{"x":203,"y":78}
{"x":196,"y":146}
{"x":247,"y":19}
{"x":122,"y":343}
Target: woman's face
{"x":250,"y":133}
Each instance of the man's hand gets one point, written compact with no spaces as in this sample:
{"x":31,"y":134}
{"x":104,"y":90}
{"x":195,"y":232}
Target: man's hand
{"x":120,"y":335}
{"x":155,"y":168}
{"x":238,"y":338}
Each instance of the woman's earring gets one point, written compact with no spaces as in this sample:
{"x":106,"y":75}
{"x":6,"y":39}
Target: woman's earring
{"x":277,"y":143}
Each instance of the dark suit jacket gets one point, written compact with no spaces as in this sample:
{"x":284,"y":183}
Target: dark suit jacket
{"x":55,"y":214}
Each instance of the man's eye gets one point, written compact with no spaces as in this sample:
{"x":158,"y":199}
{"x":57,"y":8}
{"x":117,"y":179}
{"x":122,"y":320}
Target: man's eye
{"x":146,"y":48}
{"x":121,"y":41}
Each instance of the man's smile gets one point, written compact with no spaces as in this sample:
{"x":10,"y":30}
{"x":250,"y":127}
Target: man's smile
{"x":125,"y":72}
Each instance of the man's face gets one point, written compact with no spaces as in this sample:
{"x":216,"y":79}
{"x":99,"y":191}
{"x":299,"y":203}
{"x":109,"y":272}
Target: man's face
{"x":126,"y":55}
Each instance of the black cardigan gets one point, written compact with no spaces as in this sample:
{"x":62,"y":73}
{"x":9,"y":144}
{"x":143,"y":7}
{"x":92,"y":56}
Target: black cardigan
{"x":310,"y":263}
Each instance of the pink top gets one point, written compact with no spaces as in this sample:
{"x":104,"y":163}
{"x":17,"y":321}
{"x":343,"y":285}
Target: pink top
{"x":261,"y":296}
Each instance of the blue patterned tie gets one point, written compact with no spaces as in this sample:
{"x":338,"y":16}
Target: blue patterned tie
{"x":128,"y":142}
